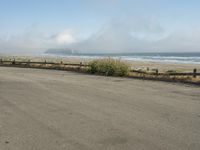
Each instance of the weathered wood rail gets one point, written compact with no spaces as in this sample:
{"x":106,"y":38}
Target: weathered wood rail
{"x":13,"y":62}
{"x":78,"y":67}
{"x":66,"y":66}
{"x":194,"y":73}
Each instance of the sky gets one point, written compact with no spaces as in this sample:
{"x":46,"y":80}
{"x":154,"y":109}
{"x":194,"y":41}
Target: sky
{"x":100,"y":26}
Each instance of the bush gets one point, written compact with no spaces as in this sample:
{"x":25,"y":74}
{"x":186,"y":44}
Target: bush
{"x":109,"y":67}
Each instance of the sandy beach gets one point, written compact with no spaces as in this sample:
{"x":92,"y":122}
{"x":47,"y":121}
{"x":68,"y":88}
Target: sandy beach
{"x":161,"y":66}
{"x":58,"y":110}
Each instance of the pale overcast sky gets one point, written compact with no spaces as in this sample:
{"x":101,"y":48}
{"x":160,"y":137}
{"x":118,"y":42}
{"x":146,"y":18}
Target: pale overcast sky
{"x":32,"y":26}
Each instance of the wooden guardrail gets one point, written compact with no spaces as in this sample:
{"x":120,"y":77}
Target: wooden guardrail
{"x":157,"y":73}
{"x":13,"y":62}
{"x":79,"y":67}
{"x":60,"y":64}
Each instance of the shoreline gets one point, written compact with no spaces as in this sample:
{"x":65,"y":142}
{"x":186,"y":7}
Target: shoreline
{"x":162,"y":66}
{"x":178,"y":73}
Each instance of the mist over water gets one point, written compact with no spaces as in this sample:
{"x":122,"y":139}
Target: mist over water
{"x":191,"y":58}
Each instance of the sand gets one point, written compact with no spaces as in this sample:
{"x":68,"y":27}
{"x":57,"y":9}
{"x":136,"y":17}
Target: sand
{"x":58,"y":110}
{"x":161,"y":66}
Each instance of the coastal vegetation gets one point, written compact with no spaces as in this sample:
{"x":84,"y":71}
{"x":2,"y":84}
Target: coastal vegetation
{"x":109,"y":67}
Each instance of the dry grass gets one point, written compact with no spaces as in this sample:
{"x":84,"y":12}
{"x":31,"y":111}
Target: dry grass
{"x":109,"y":67}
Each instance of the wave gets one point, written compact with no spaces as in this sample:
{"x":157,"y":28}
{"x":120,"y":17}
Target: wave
{"x":157,"y":57}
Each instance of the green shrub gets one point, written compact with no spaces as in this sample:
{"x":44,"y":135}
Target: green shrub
{"x":109,"y":67}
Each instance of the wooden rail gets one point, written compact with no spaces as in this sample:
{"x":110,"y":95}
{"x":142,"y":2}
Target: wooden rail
{"x":13,"y":62}
{"x":194,"y":73}
{"x":60,"y":65}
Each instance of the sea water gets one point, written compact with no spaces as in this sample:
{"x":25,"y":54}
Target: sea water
{"x":191,"y":58}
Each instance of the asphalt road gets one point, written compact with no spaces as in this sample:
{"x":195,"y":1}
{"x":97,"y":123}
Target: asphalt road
{"x":56,"y":110}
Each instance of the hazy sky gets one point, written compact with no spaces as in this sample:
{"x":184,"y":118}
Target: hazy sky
{"x":32,"y":26}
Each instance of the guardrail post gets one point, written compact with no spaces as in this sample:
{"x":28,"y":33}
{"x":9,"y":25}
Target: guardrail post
{"x":194,"y":73}
{"x":13,"y":62}
{"x":156,"y":71}
{"x":28,"y":63}
{"x":45,"y":63}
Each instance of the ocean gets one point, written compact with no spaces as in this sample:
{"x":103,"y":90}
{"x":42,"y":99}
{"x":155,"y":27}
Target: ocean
{"x":191,"y":58}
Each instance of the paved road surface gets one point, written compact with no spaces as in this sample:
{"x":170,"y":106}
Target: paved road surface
{"x":55,"y":110}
